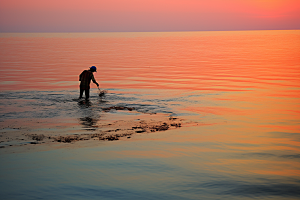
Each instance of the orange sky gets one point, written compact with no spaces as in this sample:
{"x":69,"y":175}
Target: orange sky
{"x":146,"y":15}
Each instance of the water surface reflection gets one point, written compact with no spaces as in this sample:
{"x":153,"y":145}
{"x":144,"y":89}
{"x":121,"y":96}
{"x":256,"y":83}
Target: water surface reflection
{"x":238,"y":93}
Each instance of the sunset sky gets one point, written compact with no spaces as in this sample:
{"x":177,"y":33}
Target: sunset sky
{"x":147,"y":15}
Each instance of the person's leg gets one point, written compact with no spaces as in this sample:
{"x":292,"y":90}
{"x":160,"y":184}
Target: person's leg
{"x":81,"y":93}
{"x":87,"y":93}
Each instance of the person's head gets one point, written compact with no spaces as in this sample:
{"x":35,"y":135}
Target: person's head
{"x":93,"y":69}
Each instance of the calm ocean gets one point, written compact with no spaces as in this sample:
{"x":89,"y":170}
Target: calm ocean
{"x":238,"y":93}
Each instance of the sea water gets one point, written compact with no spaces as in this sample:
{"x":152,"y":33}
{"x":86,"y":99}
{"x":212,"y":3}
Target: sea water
{"x":238,"y":93}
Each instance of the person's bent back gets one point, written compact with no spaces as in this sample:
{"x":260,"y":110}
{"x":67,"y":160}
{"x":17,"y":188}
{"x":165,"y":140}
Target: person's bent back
{"x":85,"y":79}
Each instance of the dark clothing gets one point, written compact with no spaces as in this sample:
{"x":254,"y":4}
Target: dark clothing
{"x":86,"y":92}
{"x":85,"y":79}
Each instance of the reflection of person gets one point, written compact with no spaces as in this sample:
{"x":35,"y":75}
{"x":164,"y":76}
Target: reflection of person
{"x":85,"y":79}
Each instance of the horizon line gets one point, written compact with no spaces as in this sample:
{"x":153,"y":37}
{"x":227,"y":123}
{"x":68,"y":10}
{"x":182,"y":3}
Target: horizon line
{"x":238,"y":30}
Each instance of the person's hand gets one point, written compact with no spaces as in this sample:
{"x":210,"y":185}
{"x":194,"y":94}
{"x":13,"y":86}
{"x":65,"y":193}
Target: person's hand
{"x":97,"y":84}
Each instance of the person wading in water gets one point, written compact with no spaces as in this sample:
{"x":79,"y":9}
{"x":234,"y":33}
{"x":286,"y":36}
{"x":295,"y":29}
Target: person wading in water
{"x":85,"y":79}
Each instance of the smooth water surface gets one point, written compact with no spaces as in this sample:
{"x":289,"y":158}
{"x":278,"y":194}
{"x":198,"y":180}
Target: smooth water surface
{"x":239,"y":90}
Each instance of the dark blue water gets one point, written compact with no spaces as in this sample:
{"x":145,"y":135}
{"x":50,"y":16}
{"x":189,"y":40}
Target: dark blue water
{"x":114,"y":172}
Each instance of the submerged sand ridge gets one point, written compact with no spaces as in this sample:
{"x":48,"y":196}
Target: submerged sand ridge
{"x":35,"y":120}
{"x":120,"y":129}
{"x":116,"y":125}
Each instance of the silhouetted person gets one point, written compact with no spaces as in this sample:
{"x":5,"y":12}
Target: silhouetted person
{"x":85,"y":79}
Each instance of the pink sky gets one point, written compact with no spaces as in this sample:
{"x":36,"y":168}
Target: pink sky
{"x":146,"y":15}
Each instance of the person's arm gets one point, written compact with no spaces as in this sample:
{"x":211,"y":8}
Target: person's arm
{"x":94,"y":80}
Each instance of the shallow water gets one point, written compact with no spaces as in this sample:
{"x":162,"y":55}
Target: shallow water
{"x":238,"y":93}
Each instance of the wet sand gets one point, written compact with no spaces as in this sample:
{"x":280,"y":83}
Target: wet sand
{"x":14,"y":136}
